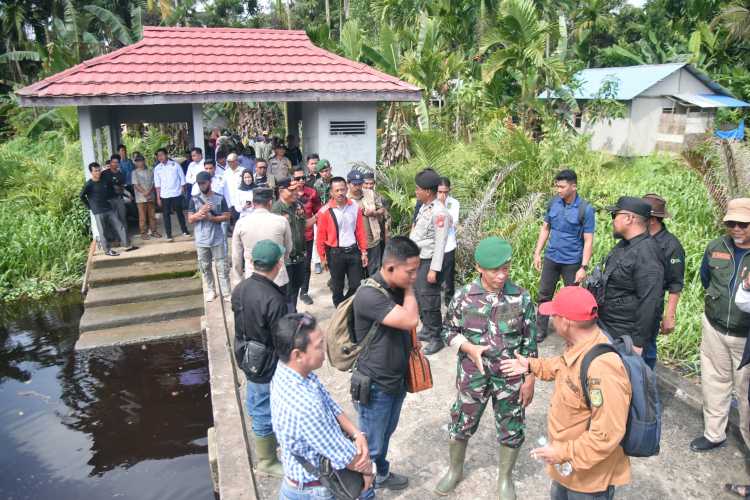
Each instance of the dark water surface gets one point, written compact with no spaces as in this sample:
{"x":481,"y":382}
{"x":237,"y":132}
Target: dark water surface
{"x":122,"y":422}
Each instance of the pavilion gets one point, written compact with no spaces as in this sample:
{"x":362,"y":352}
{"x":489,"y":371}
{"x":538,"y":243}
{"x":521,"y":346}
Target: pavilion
{"x":172,"y":72}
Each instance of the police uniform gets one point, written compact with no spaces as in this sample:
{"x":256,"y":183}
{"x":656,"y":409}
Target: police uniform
{"x":506,"y":322}
{"x":430,"y":233}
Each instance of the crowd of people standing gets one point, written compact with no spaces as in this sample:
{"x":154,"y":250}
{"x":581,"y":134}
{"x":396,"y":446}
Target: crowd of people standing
{"x":286,"y":217}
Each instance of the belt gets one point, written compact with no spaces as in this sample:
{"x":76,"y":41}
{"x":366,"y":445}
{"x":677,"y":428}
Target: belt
{"x":311,"y":484}
{"x":350,"y":249}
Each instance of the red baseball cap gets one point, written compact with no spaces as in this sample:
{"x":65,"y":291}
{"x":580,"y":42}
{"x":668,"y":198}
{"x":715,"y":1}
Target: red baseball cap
{"x":572,"y":302}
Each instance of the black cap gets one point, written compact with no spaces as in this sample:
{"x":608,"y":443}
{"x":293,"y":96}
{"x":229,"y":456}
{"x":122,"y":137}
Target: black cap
{"x":139,"y":157}
{"x":428,"y":179}
{"x":262,"y":195}
{"x":203,"y":177}
{"x":284,"y":183}
{"x":280,"y":145}
{"x":631,"y":204}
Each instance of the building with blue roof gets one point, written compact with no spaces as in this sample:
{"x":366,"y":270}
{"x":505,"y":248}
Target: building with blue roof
{"x":667,"y":106}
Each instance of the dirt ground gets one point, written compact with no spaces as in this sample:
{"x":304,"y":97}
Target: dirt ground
{"x":419,"y":448}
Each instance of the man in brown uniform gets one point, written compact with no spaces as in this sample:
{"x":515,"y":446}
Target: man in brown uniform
{"x":583,"y":453}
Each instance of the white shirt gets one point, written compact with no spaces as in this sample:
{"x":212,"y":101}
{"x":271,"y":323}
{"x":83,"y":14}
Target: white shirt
{"x":169,"y":178}
{"x":453,"y":207}
{"x":218,"y":186}
{"x":193,"y":169}
{"x":242,"y":198}
{"x":346,"y":218}
{"x":232,"y":180}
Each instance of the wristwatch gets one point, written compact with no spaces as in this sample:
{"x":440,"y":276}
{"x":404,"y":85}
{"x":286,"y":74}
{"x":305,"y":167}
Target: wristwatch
{"x":585,"y":267}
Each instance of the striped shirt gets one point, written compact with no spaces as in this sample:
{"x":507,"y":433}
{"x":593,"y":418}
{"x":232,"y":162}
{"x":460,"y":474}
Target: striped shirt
{"x":304,"y":421}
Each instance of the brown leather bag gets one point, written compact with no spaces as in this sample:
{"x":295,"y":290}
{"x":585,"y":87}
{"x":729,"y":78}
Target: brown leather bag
{"x":418,"y":373}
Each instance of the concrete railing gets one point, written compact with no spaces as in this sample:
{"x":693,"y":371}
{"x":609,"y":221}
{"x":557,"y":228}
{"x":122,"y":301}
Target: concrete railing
{"x":229,"y":450}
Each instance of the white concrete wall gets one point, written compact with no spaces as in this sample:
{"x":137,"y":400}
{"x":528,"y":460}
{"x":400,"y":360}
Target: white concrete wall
{"x":679,"y":82}
{"x":609,"y":135}
{"x":341,"y":150}
{"x":644,"y":124}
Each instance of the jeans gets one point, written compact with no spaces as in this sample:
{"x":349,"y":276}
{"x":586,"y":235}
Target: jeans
{"x":378,"y":420}
{"x":309,"y":245}
{"x":344,"y":263}
{"x":449,"y":273}
{"x":290,"y":492}
{"x":649,"y":352}
{"x":167,"y":206}
{"x":560,"y":492}
{"x":296,"y":274}
{"x":259,"y":408}
{"x":215,"y":254}
{"x":110,"y":218}
{"x":551,"y":272}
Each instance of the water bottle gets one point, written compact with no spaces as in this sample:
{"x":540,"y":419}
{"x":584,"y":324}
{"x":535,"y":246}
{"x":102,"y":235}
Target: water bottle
{"x":564,"y":469}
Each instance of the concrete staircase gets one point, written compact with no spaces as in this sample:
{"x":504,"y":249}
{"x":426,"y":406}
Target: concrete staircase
{"x":148,"y":294}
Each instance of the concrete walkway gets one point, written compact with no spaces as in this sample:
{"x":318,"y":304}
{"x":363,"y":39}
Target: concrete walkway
{"x":419,"y":446}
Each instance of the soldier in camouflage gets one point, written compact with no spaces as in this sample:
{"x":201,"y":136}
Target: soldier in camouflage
{"x":488,"y":320}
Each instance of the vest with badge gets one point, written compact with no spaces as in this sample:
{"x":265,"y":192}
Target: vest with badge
{"x":423,"y":233}
{"x":721,"y":310}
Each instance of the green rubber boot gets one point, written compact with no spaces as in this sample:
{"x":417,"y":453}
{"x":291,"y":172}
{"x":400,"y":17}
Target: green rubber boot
{"x":505,"y":488}
{"x":457,"y":452}
{"x":268,"y":462}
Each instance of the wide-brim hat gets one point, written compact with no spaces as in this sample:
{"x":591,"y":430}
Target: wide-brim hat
{"x":658,"y":205}
{"x":738,"y":210}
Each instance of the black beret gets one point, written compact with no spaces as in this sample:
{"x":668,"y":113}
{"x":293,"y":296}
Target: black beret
{"x":262,"y":195}
{"x":428,"y":179}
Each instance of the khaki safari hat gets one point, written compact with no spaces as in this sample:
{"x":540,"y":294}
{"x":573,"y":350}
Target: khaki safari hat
{"x":738,"y":210}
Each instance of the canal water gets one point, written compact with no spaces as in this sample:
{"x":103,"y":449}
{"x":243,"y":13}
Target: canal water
{"x":125,"y":422}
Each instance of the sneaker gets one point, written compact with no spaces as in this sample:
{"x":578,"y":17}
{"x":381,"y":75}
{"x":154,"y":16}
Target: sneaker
{"x":111,"y":253}
{"x":318,"y":269}
{"x":170,"y":239}
{"x":210,"y":296}
{"x":702,"y":444}
{"x":185,"y":233}
{"x":131,"y":248}
{"x":392,"y":482}
{"x":306,"y":299}
{"x":433,"y":347}
{"x":155,"y":235}
{"x":145,"y":236}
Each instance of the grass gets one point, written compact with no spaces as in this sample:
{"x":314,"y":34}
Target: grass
{"x":44,"y":227}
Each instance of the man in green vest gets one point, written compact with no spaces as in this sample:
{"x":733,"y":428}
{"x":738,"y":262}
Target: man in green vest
{"x":725,"y":329}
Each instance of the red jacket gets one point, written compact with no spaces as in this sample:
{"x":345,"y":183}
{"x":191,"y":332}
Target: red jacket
{"x":311,"y":203}
{"x":327,"y":236}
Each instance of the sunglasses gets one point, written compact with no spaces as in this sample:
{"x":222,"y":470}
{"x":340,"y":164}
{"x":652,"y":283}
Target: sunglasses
{"x":303,"y":320}
{"x":730,"y":224}
{"x":298,"y":178}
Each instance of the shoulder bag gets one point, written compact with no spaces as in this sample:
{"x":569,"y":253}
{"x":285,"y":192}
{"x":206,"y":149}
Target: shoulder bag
{"x":418,"y":373}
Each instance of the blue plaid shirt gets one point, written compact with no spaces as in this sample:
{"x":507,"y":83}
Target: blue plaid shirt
{"x":304,"y":420}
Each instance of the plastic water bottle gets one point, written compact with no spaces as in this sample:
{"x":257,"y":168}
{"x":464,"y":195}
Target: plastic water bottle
{"x":564,"y":469}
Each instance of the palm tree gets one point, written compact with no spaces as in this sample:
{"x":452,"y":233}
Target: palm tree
{"x":736,"y":19}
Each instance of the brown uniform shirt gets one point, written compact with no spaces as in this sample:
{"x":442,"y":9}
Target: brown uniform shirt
{"x":594,"y":451}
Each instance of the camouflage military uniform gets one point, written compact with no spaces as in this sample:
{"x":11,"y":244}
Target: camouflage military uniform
{"x":507,"y":323}
{"x":324,"y":190}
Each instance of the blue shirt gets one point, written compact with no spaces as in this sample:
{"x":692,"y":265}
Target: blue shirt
{"x":208,"y":234}
{"x":127,"y":167}
{"x":566,"y":238}
{"x":247,"y":163}
{"x":304,"y":421}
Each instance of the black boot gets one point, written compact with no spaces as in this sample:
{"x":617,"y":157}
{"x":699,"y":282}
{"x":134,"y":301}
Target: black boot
{"x":434,"y":346}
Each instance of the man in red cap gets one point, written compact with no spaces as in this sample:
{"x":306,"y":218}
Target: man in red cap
{"x":583,"y":452}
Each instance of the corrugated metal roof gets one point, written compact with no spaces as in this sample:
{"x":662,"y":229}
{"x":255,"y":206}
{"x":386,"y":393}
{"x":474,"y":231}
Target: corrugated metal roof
{"x":633,"y":80}
{"x":199,"y":61}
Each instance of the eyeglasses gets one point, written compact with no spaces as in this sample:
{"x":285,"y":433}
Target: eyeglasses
{"x":303,"y":320}
{"x":730,"y":224}
{"x":298,"y":179}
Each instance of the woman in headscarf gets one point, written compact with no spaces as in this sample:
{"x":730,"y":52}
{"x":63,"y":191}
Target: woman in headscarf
{"x":245,"y":194}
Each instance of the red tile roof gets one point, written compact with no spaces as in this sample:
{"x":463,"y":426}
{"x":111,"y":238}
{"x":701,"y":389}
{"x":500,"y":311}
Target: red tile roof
{"x":217,"y":64}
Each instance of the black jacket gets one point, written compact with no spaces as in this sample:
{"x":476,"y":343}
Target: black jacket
{"x":258,"y":305}
{"x":633,"y":289}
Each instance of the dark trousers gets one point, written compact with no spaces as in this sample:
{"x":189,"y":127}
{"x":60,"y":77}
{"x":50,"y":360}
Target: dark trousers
{"x":344,"y":264}
{"x":296,"y":274}
{"x":551,"y":272}
{"x":378,"y":420}
{"x":649,"y":348}
{"x":308,"y":264}
{"x":234,"y":216}
{"x":374,"y":260}
{"x":449,"y":275}
{"x":560,"y":492}
{"x":428,"y":300}
{"x":167,"y":206}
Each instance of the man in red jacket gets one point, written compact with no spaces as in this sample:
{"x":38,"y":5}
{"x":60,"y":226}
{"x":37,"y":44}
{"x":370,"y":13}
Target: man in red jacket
{"x":310,"y":200}
{"x":341,"y":241}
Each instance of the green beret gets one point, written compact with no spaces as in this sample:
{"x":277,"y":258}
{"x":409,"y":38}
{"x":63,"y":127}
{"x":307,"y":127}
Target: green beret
{"x":322,"y":165}
{"x":267,"y":253}
{"x":492,"y":252}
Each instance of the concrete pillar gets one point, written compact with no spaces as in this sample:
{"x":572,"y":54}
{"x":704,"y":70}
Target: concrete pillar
{"x":196,"y":126}
{"x":115,"y":132}
{"x":86,"y":136}
{"x":293,"y":117}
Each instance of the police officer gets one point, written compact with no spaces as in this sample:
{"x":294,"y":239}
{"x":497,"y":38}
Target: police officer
{"x":489,"y":319}
{"x":674,"y":269}
{"x":430,"y":233}
{"x":633,"y":275}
